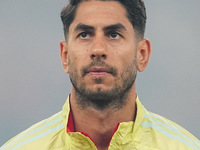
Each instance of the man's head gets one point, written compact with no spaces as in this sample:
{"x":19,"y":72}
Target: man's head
{"x":135,"y":12}
{"x":102,"y":54}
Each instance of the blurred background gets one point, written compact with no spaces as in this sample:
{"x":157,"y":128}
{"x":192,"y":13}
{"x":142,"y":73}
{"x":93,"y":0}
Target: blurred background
{"x":33,"y":85}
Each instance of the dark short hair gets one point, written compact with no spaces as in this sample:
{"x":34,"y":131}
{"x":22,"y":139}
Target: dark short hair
{"x":135,"y":9}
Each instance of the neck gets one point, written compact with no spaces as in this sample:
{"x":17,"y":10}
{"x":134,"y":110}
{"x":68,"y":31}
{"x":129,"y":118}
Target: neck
{"x":100,"y":125}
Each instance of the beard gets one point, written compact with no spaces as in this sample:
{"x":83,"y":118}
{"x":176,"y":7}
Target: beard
{"x":114,"y":98}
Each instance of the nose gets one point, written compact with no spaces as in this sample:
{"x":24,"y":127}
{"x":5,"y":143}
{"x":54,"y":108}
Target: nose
{"x":98,"y":50}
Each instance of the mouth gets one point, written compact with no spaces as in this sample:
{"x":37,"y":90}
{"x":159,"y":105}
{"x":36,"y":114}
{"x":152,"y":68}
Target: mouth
{"x":99,"y":69}
{"x":98,"y":72}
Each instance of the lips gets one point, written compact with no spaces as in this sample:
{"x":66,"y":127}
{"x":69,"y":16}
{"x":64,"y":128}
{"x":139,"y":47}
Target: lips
{"x":98,"y":67}
{"x":98,"y":71}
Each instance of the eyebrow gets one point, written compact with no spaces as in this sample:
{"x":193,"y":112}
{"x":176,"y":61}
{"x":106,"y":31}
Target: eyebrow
{"x":115,"y":27}
{"x":83,"y":27}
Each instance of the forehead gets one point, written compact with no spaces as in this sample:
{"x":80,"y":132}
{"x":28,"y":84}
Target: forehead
{"x":100,"y":14}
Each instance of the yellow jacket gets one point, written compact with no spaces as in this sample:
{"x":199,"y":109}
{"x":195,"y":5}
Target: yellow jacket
{"x":148,"y":132}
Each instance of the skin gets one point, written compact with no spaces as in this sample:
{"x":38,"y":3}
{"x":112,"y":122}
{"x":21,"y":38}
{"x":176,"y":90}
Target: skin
{"x":119,"y":49}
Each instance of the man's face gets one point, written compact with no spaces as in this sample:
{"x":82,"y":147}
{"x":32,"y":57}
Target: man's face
{"x":101,"y":51}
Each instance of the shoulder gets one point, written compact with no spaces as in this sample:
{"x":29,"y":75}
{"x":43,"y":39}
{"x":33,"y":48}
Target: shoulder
{"x":166,"y":133}
{"x":37,"y":136}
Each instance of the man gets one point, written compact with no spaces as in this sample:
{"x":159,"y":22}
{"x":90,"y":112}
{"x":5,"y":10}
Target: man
{"x":103,"y":49}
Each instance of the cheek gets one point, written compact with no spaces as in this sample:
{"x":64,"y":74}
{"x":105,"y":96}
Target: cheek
{"x":127,"y":62}
{"x":126,"y":50}
{"x":74,"y":64}
{"x":126,"y":57}
{"x":77,"y":52}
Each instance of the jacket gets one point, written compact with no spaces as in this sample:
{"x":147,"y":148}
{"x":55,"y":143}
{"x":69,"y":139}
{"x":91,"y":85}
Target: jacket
{"x":149,"y":131}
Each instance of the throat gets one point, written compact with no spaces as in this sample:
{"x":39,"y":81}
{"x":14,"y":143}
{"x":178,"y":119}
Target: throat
{"x":101,"y":137}
{"x":103,"y":141}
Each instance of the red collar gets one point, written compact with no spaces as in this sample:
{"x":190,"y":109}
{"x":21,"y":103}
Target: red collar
{"x":70,"y":123}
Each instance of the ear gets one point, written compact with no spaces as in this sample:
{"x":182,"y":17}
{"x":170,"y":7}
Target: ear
{"x":143,"y":54}
{"x":64,"y":56}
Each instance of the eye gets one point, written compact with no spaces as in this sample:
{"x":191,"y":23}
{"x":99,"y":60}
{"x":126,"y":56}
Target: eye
{"x":114,"y":35}
{"x":84,"y":35}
